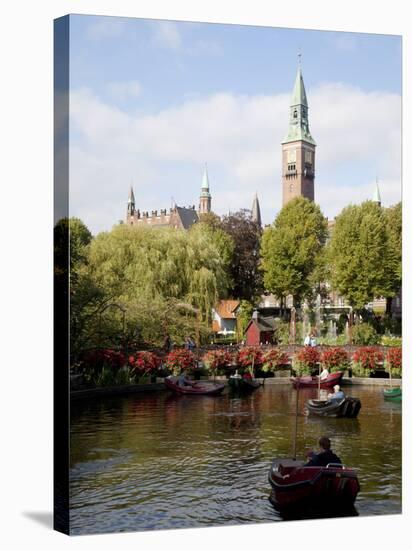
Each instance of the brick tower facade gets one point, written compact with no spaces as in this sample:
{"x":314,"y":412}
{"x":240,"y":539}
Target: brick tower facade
{"x":298,"y":149}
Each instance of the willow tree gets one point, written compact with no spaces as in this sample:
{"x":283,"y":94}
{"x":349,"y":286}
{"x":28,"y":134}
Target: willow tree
{"x":166,"y":279}
{"x":291,"y":250}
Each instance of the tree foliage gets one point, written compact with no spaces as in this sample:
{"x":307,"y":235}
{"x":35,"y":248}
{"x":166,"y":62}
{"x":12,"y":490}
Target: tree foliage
{"x":150,"y":281}
{"x":292,"y":250}
{"x":245,"y":274}
{"x":359,"y":254}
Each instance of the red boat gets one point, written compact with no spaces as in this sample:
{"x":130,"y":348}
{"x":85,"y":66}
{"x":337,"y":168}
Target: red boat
{"x":297,"y":487}
{"x":196,"y":389}
{"x":313,"y":381}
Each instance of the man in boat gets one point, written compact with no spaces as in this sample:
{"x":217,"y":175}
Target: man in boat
{"x":325,"y":456}
{"x":337,"y":394}
{"x":324,"y":374}
{"x":182,"y":380}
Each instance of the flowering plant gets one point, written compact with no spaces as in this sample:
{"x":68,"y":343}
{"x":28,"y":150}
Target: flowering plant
{"x":273,"y":359}
{"x":334,"y":359}
{"x":306,"y":360}
{"x":99,"y":358}
{"x":217,"y":359}
{"x":365,"y":361}
{"x":144,"y":362}
{"x":249,"y":357}
{"x":180,"y":359}
{"x":393,"y":361}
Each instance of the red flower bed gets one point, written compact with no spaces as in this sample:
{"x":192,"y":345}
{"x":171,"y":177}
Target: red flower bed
{"x":249,"y":356}
{"x":215,"y":359}
{"x":335,"y":359}
{"x":367,"y":358}
{"x":273,"y":359}
{"x":144,"y":362}
{"x":393,"y":361}
{"x":308,"y":356}
{"x":180,"y":359}
{"x":105,"y":357}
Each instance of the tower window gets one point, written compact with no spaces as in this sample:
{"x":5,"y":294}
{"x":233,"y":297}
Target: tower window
{"x":291,"y":167}
{"x":295,"y":114}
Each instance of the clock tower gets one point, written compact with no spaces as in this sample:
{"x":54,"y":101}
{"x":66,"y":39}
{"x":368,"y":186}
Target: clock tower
{"x":298,"y":148}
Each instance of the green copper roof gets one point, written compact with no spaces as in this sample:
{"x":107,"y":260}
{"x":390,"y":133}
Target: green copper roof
{"x":205,"y":184}
{"x":377,"y":195}
{"x":299,"y":92}
{"x":299,"y":121}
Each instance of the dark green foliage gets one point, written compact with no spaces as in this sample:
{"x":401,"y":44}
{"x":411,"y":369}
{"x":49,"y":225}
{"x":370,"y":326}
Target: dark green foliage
{"x":245,"y":274}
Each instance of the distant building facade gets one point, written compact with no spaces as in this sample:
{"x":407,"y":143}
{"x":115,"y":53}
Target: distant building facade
{"x":178,"y":217}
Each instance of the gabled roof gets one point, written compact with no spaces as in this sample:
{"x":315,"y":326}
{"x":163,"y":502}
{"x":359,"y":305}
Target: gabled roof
{"x":188,"y":216}
{"x":226,"y":309}
{"x":263,"y":323}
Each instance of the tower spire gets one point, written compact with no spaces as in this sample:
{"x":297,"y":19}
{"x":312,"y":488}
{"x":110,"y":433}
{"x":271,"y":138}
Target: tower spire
{"x":131,"y":203}
{"x":256,"y":217}
{"x":205,"y":201}
{"x":376,"y":194}
{"x":298,"y":147}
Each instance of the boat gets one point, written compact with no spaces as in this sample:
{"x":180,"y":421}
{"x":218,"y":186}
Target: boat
{"x":393,"y":394}
{"x":313,"y":381}
{"x":296,"y":487}
{"x":197,"y":389}
{"x":348,"y":407}
{"x":243,"y":385}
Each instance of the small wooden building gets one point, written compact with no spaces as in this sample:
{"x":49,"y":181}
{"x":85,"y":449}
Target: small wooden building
{"x":261,"y":330}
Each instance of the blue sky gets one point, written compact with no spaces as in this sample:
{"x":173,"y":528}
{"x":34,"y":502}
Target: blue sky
{"x":151,"y":101}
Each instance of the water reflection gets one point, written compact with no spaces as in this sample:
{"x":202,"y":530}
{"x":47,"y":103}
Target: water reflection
{"x":161,"y":461}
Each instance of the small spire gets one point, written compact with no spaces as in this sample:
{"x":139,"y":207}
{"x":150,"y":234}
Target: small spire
{"x":376,"y":194}
{"x":131,"y":196}
{"x":205,"y":179}
{"x":256,"y":217}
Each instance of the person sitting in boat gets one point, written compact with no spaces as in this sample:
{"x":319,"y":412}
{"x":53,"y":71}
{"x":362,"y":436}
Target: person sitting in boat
{"x":324,"y":374}
{"x":325,"y":456}
{"x":182,"y":380}
{"x":337,"y":394}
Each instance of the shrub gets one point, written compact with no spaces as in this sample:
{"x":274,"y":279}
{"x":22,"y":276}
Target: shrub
{"x":393,"y":362}
{"x":391,"y":341}
{"x":305,"y":361}
{"x":364,"y":335}
{"x":274,"y":359}
{"x":215,"y":360}
{"x":144,"y":362}
{"x":365,"y":361}
{"x":335,"y":359}
{"x":249,"y":357}
{"x":180,"y":359}
{"x":97,"y":359}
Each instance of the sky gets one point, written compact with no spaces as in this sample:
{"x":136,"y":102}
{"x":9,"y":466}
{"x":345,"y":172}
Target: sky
{"x":152,"y":101}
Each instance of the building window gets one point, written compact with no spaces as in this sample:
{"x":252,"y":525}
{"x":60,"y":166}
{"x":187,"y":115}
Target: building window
{"x":295,"y":114}
{"x":291,"y":167}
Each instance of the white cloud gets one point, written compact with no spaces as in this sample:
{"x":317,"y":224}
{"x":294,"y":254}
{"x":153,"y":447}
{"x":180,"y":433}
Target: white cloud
{"x":124,"y":90}
{"x":358,"y":137}
{"x":166,"y":34}
{"x":105,"y":27}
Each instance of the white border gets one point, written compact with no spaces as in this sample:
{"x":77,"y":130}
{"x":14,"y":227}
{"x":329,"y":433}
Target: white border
{"x":26,"y":269}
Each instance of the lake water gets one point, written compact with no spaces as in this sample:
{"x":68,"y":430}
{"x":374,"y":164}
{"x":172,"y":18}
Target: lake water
{"x":157,"y":461}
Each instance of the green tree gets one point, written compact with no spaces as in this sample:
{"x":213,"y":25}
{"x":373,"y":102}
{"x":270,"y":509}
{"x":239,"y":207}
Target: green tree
{"x":358,"y":254}
{"x":393,"y":217}
{"x":292,"y":250}
{"x":245,"y":273}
